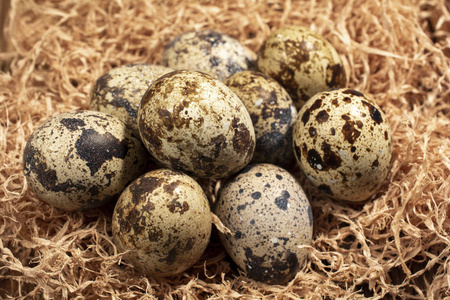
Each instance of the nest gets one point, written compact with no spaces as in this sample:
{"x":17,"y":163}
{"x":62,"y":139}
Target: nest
{"x":394,"y":246}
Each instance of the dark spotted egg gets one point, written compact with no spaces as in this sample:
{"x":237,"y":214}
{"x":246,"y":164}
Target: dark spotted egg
{"x":208,"y":51}
{"x":162,"y":221}
{"x":270,"y":218}
{"x":119,"y":91}
{"x":303,"y":61}
{"x":273,"y":115}
{"x":194,"y":123}
{"x":83,"y":159}
{"x":343,"y":144}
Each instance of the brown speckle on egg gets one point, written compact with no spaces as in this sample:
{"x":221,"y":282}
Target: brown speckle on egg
{"x":80,"y":160}
{"x":273,"y":114}
{"x":302,"y":61}
{"x":208,"y":51}
{"x":349,"y":155}
{"x":192,"y":122}
{"x":162,"y":221}
{"x":270,"y":216}
{"x":119,"y":91}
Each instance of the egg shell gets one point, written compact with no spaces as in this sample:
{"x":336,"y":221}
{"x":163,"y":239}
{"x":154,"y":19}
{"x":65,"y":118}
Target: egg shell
{"x":79,"y":160}
{"x":196,"y":124}
{"x":208,"y":51}
{"x":119,"y":91}
{"x":343,"y":144}
{"x":270,"y":217}
{"x":302,"y":61}
{"x":163,"y":221}
{"x":273,"y":114}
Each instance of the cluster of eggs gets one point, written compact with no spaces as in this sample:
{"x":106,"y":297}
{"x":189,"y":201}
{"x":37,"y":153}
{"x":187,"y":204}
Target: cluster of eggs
{"x":214,"y":109}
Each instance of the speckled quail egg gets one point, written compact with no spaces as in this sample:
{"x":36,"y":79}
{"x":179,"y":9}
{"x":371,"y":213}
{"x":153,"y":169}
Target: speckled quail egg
{"x":119,"y":91}
{"x":269,"y":216}
{"x":303,"y":61}
{"x":79,"y":160}
{"x":163,"y":220}
{"x":194,"y":123}
{"x":273,"y":114}
{"x":343,"y":144}
{"x":208,"y":51}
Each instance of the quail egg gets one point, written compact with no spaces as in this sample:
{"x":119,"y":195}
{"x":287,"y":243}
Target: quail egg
{"x":302,"y":61}
{"x":208,"y":51}
{"x":273,"y":114}
{"x":119,"y":91}
{"x":270,"y":218}
{"x":162,"y":221}
{"x":82,"y":159}
{"x":343,"y":144}
{"x":194,"y":123}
